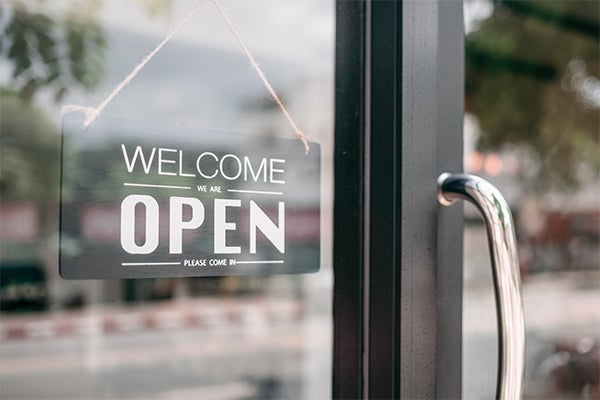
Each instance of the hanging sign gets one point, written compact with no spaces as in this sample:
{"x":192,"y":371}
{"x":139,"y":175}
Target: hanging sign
{"x":145,"y":200}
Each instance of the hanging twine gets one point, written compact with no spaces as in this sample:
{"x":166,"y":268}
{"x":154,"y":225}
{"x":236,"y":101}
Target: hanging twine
{"x":91,"y":113}
{"x":299,"y":134}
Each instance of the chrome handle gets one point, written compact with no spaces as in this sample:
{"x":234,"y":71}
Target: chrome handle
{"x":505,"y":267}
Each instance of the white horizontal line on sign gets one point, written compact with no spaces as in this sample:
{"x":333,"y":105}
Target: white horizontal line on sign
{"x":254,"y":192}
{"x":157,"y":186}
{"x":132,"y":264}
{"x":261,"y":262}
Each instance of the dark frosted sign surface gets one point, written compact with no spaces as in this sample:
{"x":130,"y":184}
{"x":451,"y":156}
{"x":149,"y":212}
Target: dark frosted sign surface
{"x":143,"y":200}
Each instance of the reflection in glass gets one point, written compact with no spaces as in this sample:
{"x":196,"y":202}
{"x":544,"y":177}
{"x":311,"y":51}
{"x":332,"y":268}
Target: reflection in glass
{"x":210,"y":337}
{"x":531,"y":128}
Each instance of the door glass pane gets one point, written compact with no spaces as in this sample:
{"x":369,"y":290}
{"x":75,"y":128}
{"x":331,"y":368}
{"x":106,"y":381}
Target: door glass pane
{"x":170,"y":338}
{"x":532,"y":128}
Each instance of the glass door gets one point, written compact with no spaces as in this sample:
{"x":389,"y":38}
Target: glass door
{"x":221,"y":337}
{"x":531,"y":126}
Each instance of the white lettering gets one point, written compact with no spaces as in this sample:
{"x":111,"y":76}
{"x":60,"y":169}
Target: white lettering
{"x":260,"y":220}
{"x":128,"y":224}
{"x":130,"y":164}
{"x":239,"y":167}
{"x":261,"y":167}
{"x":222,"y":226}
{"x":273,"y":170}
{"x":198,"y":165}
{"x":177,"y":224}
{"x":162,"y":161}
{"x":181,"y":173}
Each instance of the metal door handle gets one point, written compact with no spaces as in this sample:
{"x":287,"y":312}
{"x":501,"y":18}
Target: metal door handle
{"x":505,"y":267}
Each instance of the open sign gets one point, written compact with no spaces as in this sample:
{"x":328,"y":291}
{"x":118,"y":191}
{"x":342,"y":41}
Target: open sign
{"x":136,"y":207}
{"x":259,"y":221}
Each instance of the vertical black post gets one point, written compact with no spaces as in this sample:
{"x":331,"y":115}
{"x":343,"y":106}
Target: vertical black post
{"x":348,"y":251}
{"x":383,"y":174}
{"x":397,"y":259}
{"x":367,"y":198}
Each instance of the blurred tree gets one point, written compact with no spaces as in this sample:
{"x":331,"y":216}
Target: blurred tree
{"x":56,"y":52}
{"x":41,"y":51}
{"x":53,"y":47}
{"x":532,"y":80}
{"x":56,"y":46}
{"x":30,"y":152}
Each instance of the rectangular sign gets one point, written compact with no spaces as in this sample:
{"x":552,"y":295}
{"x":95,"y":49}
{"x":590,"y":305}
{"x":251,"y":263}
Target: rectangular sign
{"x":141,"y":200}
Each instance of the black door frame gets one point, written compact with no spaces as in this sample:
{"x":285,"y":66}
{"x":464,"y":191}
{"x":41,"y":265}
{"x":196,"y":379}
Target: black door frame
{"x":397,"y":257}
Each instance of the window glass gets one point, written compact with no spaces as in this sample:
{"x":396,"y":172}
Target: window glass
{"x":168,"y":338}
{"x":531,"y":127}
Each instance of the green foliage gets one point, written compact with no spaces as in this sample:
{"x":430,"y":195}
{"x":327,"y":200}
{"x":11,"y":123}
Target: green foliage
{"x":54,"y":52}
{"x":50,"y":46}
{"x":520,"y":69}
{"x":30,"y":148}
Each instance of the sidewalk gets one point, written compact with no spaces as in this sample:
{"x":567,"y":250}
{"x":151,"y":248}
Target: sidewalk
{"x":558,"y":302}
{"x":185,"y":313}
